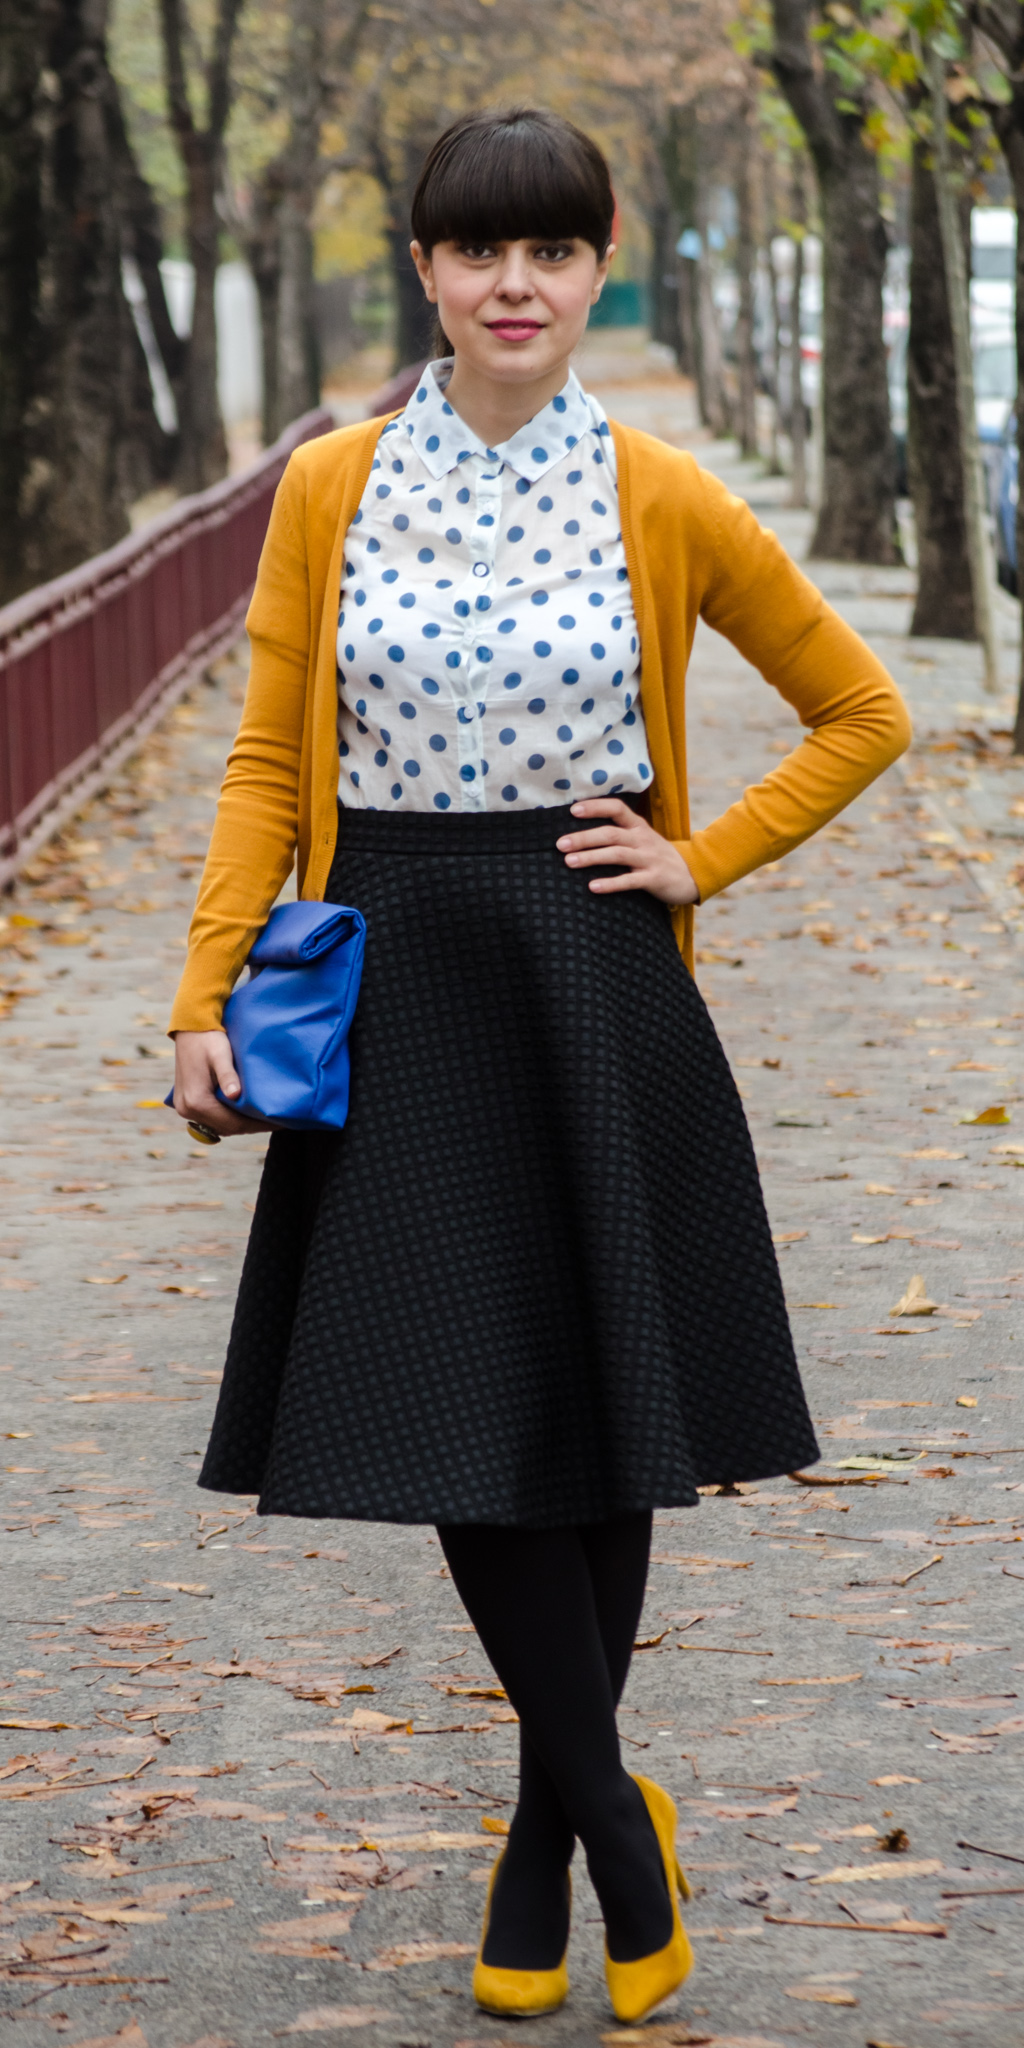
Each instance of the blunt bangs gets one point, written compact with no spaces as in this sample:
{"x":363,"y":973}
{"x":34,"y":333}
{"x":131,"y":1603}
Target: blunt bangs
{"x":511,"y":177}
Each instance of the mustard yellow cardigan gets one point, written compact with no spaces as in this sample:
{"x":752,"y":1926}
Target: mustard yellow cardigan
{"x":692,"y":549}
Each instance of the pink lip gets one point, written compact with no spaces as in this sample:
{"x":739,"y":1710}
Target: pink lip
{"x":515,"y":327}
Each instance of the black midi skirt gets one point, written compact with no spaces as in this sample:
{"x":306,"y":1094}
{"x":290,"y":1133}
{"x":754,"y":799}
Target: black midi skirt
{"x":532,"y":1281}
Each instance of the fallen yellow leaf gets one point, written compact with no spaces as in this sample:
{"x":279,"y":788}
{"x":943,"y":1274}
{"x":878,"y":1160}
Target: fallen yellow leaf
{"x":915,"y":1301}
{"x":151,"y":1102}
{"x":877,"y":1873}
{"x":789,"y":1236}
{"x":966,"y":1401}
{"x":493,"y":1825}
{"x":998,"y":1114}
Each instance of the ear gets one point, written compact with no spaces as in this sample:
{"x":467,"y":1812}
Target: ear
{"x":601,"y":273}
{"x":425,"y":270}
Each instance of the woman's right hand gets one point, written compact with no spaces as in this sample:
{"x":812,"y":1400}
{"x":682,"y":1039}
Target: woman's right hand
{"x":202,"y":1064}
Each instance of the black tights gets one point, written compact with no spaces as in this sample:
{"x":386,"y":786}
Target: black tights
{"x":557,"y":1611}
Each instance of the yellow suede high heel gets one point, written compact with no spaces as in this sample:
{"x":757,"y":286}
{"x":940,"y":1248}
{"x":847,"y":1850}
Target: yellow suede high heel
{"x":636,"y":1988}
{"x":516,"y":1994}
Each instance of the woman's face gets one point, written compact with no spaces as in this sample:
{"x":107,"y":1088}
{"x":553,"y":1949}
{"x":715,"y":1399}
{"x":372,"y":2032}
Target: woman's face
{"x":513,"y":311}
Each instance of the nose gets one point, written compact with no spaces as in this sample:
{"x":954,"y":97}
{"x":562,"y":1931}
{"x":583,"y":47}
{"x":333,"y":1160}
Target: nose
{"x":515,"y":281}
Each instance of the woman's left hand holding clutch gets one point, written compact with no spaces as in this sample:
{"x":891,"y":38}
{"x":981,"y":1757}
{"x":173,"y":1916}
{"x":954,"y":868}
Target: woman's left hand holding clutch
{"x":202,"y":1064}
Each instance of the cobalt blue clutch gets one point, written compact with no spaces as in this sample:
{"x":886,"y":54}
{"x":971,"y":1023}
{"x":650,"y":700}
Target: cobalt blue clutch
{"x":289,"y":1023}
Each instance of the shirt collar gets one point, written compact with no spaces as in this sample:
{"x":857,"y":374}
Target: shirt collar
{"x":443,"y":441}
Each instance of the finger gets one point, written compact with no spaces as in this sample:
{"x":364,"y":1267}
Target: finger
{"x":620,"y":855}
{"x":602,"y":835}
{"x":603,"y":807}
{"x":226,"y":1122}
{"x":223,"y":1069}
{"x":636,"y":878}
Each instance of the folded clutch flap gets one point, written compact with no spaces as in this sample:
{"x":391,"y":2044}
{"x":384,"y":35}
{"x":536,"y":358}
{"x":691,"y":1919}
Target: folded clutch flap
{"x":297,"y":934}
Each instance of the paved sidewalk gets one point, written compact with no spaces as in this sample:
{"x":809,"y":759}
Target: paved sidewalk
{"x":313,"y":1768}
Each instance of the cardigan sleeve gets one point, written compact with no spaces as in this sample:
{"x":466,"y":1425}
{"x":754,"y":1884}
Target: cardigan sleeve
{"x":256,"y":827}
{"x":858,"y":723}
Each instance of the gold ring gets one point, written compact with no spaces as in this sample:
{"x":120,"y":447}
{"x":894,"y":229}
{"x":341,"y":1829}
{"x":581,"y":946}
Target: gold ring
{"x":204,"y":1133}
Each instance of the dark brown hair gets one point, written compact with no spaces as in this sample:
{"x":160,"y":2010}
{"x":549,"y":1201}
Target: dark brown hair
{"x":506,"y":176}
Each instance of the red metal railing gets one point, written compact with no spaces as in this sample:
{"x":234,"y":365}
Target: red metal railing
{"x":90,"y":661}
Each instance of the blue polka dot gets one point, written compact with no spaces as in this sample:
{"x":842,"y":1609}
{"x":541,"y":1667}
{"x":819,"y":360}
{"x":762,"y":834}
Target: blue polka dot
{"x":421,"y":394}
{"x":373,"y":546}
{"x":577,"y":754}
{"x":357,"y":519}
{"x":453,"y":661}
{"x":383,"y":490}
{"x":361,"y":706}
{"x":432,"y":443}
{"x":542,"y":555}
{"x":595,"y":598}
{"x":396,"y":790}
{"x":407,"y":601}
{"x":400,"y":521}
{"x":565,"y":732}
{"x":545,"y":504}
{"x":467,"y":772}
{"x":453,"y":535}
{"x":437,"y":742}
{"x":535,"y":761}
{"x":539,"y":454}
{"x":558,"y":404}
{"x":462,"y":497}
{"x":431,"y":632}
{"x":396,"y":653}
{"x":616,"y":624}
{"x":463,"y":455}
{"x":354,"y":776}
{"x":566,"y":622}
{"x":572,"y":574}
{"x":433,"y":504}
{"x":621,"y":575}
{"x":484,"y":654}
{"x":506,"y":735}
{"x":381,"y":758}
{"x":512,"y":681}
{"x":407,"y":710}
{"x":360,"y":597}
{"x":398,"y":466}
{"x":642,"y":770}
{"x":615,"y":747}
{"x":571,"y":526}
{"x":522,"y":486}
{"x":428,"y":684}
{"x":350,"y":653}
{"x":485,"y":519}
{"x":464,"y":717}
{"x":599,"y":776}
{"x":361,"y":728}
{"x":483,"y":604}
{"x":425,"y":555}
{"x":461,"y":608}
{"x":375,"y":625}
{"x":562,"y":782}
{"x":344,"y":749}
{"x":442,"y":800}
{"x":385,"y":736}
{"x":616,"y":679}
{"x":597,"y":650}
{"x":575,"y":476}
{"x":570,"y":675}
{"x":378,"y":682}
{"x":587,"y":704}
{"x":541,"y":647}
{"x":506,"y":626}
{"x":510,"y":792}
{"x":539,"y":597}
{"x":571,"y":440}
{"x":390,"y":576}
{"x":536,"y":705}
{"x":596,"y":506}
{"x":630,"y":718}
{"x":515,"y":533}
{"x":632,"y":644}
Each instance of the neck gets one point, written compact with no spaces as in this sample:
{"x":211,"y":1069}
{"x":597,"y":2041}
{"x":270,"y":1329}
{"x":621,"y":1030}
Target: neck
{"x":496,"y":410}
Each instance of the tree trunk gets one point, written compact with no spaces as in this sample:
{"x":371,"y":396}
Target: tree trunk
{"x":203,"y":458}
{"x":797,"y":408}
{"x":746,"y":253}
{"x":711,"y":394}
{"x":774,"y":456}
{"x":298,"y":355}
{"x":857,"y":513}
{"x":945,"y":602}
{"x":22,"y":55}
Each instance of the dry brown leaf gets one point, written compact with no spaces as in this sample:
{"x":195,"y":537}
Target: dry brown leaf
{"x":818,"y":1994}
{"x":789,"y":1236}
{"x":877,"y":1873}
{"x":104,"y":1279}
{"x":403,"y":1953}
{"x":318,"y":2018}
{"x":915,"y":1301}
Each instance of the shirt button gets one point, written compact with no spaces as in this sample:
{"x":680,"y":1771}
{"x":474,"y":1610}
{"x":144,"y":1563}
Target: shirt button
{"x":480,"y":569}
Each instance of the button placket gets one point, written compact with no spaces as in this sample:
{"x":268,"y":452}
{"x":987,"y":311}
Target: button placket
{"x":475,"y":672}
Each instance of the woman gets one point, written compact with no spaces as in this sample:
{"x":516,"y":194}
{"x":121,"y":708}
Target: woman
{"x":529,"y":1293}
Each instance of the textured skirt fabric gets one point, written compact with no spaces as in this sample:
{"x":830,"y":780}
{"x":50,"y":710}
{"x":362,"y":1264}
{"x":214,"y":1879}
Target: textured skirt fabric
{"x":532,"y":1281}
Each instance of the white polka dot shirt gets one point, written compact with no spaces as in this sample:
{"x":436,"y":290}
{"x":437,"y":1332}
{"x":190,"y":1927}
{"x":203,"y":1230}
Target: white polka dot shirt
{"x":488,"y":655}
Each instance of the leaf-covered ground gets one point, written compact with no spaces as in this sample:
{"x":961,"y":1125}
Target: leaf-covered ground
{"x":254,"y":1772}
